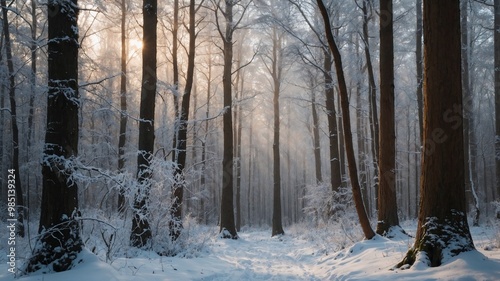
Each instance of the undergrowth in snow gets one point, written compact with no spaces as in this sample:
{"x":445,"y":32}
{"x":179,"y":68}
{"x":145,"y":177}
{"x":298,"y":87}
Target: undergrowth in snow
{"x":314,"y":250}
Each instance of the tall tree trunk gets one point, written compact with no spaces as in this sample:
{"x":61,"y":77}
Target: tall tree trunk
{"x":15,"y":130}
{"x":408,"y":166}
{"x":361,"y":149}
{"x":237,"y":113}
{"x":497,"y":97}
{"x":372,"y":98}
{"x":227,"y":224}
{"x":333,"y":132}
{"x":122,"y":138}
{"x":141,"y":230}
{"x":203,"y":180}
{"x":180,"y":150}
{"x":250,"y":191}
{"x":59,"y":231}
{"x":442,"y":222}
{"x":316,"y":140}
{"x":353,"y":173}
{"x":387,"y":203}
{"x":238,"y":156}
{"x":175,"y":66}
{"x":33,"y":80}
{"x":276,"y":73}
{"x":468,"y":116}
{"x":418,"y":62}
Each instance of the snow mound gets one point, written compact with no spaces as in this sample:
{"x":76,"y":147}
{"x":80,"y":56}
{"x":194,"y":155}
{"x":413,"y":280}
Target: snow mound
{"x":89,"y":268}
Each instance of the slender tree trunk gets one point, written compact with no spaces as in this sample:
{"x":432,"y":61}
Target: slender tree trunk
{"x":497,"y":97}
{"x":15,"y":130}
{"x":237,"y":113}
{"x":59,"y":230}
{"x":203,"y":181}
{"x":33,"y":80}
{"x":276,"y":74}
{"x":387,"y":203}
{"x":372,"y":98}
{"x":442,"y":230}
{"x":180,"y":150}
{"x":122,"y":138}
{"x":250,"y":191}
{"x":238,"y":156}
{"x":468,"y":115}
{"x":361,"y":149}
{"x":418,"y":62}
{"x":353,"y":173}
{"x":333,"y":137}
{"x":227,"y":224}
{"x":141,"y":230}
{"x":175,"y":66}
{"x":316,"y":140}
{"x":408,"y":166}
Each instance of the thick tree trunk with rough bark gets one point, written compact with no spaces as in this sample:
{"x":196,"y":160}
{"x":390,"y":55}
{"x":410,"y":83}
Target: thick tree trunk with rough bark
{"x":442,"y":222}
{"x":141,"y":230}
{"x":59,"y":230}
{"x":353,"y":173}
{"x":387,"y":202}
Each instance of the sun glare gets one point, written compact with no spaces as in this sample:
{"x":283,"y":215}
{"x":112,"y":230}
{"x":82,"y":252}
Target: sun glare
{"x":135,"y":44}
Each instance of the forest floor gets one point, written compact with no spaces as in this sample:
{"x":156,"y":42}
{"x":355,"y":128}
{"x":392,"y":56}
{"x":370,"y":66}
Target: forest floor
{"x":302,"y":254}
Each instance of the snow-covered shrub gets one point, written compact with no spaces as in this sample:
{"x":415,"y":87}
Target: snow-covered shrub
{"x":496,"y":208}
{"x":330,"y":219}
{"x":107,"y":233}
{"x":322,"y":204}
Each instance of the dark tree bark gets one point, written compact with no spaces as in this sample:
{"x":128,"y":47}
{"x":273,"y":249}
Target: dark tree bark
{"x":141,"y":230}
{"x":122,"y":138}
{"x":276,"y":73}
{"x":59,"y":231}
{"x":442,"y":222}
{"x":315,"y":129}
{"x":334,"y":132}
{"x":344,"y":101}
{"x":33,"y":77}
{"x":387,"y":202}
{"x":227,"y":224}
{"x":180,"y":150}
{"x":497,"y":97}
{"x":175,"y":66}
{"x":372,"y":97}
{"x":418,"y":62}
{"x":15,"y":130}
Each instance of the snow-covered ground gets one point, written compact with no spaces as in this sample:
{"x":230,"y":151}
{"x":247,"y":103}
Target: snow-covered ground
{"x":302,"y":254}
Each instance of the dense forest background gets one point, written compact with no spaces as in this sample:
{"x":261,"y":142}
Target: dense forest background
{"x":278,"y":48}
